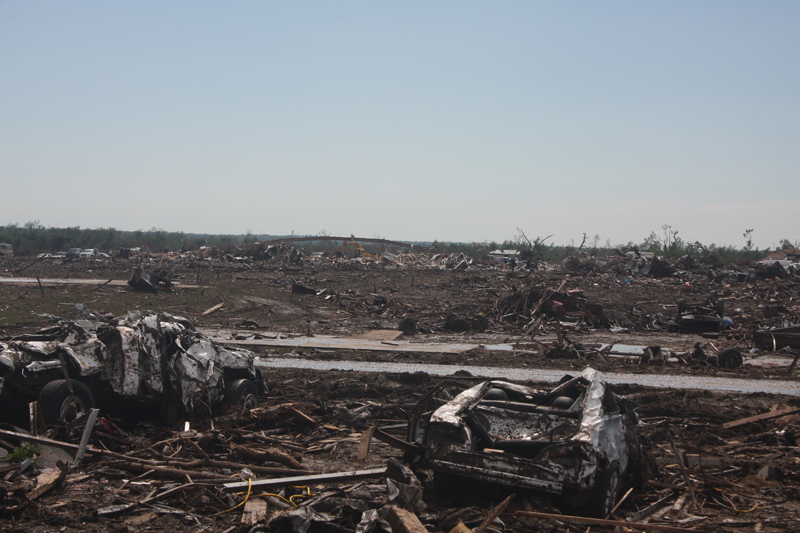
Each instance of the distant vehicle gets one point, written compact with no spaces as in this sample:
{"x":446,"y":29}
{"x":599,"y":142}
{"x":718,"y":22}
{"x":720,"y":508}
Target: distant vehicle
{"x":60,"y":254}
{"x":73,"y":253}
{"x":103,"y":255}
{"x":44,"y":256}
{"x":359,"y":249}
{"x":6,"y":249}
{"x":89,"y":253}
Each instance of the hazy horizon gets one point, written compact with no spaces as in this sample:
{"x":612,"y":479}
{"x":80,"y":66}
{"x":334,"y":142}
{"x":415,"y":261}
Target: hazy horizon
{"x":591,"y":241}
{"x":450,"y":121}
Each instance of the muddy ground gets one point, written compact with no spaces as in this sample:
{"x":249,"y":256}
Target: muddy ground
{"x":751,"y":481}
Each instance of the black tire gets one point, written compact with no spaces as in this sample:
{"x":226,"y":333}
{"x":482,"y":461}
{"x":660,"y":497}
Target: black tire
{"x":458,"y":325}
{"x":242,"y":394}
{"x":480,"y":323}
{"x":605,"y":492}
{"x":53,"y":401}
{"x":730,"y":358}
{"x":408,"y":326}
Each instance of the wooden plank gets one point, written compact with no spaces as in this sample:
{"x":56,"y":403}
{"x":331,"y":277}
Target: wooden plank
{"x":44,"y":440}
{"x":366,"y":442}
{"x":303,"y":418}
{"x":44,"y":482}
{"x":762,"y":416}
{"x":18,"y":469}
{"x":255,"y":510}
{"x":380,"y":335}
{"x":9,"y":468}
{"x":403,"y":521}
{"x":494,"y":514}
{"x":385,"y":437}
{"x":139,"y":520}
{"x":460,"y":528}
{"x":306,"y":480}
{"x":212,"y":309}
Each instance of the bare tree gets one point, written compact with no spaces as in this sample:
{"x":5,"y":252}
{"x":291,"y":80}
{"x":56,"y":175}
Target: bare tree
{"x":328,"y":245}
{"x":670,"y":238}
{"x":523,"y":242}
{"x":748,"y":235}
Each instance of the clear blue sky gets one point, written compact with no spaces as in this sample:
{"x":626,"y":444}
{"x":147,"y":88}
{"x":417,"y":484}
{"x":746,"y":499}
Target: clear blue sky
{"x":447,"y":120}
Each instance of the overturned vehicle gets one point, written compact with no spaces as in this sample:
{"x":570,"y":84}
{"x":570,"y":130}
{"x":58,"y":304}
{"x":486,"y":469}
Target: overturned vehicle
{"x":146,"y":363}
{"x":579,"y":442}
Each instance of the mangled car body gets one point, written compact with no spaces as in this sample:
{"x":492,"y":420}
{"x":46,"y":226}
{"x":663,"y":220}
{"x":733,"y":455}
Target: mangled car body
{"x":140,"y":359}
{"x":776,"y":338}
{"x":578,"y":442}
{"x":700,"y":317}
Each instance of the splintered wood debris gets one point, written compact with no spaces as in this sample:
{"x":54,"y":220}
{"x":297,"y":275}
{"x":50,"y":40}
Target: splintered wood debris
{"x":293,"y":459}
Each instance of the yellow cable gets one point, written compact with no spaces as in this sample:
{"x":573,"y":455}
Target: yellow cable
{"x":743,"y":511}
{"x":280,"y":497}
{"x":733,"y":505}
{"x":290,"y":500}
{"x":247,"y":497}
{"x":308,"y":494}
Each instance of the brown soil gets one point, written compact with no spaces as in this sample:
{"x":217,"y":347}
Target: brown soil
{"x":755,"y":489}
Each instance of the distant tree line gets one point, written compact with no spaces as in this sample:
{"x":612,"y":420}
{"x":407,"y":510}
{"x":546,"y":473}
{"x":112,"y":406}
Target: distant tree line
{"x":33,"y":238}
{"x":666,"y":243}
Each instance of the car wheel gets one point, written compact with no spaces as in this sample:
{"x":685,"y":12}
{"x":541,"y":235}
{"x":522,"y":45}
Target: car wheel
{"x":605,"y":492}
{"x":458,"y":325}
{"x":730,"y":358}
{"x":54,"y":398}
{"x":480,"y":323}
{"x":242,"y":394}
{"x":408,"y":326}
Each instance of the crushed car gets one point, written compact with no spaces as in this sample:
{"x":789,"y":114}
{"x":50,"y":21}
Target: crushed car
{"x":773,"y":339}
{"x":707,"y":316}
{"x":144,"y":361}
{"x":579,"y":443}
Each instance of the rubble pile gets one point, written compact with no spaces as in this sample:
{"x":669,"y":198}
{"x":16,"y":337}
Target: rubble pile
{"x":129,"y":420}
{"x":344,"y":463}
{"x":533,"y":302}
